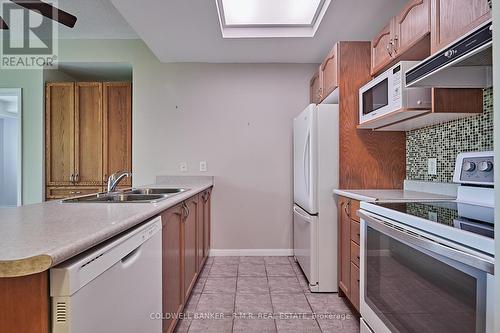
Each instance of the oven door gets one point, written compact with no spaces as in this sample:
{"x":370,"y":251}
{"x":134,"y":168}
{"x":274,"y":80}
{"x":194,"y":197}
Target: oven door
{"x":415,"y":282}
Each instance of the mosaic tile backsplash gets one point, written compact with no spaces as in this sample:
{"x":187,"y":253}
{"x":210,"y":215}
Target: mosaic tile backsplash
{"x":445,"y":141}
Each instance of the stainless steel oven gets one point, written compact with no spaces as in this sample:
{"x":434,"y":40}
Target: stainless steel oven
{"x":415,"y":281}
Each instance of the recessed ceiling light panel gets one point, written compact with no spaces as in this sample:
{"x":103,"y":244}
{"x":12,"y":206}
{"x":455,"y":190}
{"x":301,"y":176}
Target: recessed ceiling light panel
{"x":270,"y":18}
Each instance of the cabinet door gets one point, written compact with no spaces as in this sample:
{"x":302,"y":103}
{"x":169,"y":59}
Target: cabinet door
{"x":200,"y":232}
{"x":354,"y":286}
{"x":117,"y":129}
{"x":315,"y":89}
{"x":382,"y":49}
{"x":173,"y":296}
{"x":59,"y":133}
{"x":88,"y":133}
{"x":451,"y":19}
{"x":344,"y":246}
{"x":207,"y":223}
{"x":190,"y":268}
{"x":69,"y":191}
{"x":328,"y":72}
{"x":412,"y":25}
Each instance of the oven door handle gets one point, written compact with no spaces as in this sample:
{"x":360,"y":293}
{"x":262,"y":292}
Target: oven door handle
{"x":471,"y":260}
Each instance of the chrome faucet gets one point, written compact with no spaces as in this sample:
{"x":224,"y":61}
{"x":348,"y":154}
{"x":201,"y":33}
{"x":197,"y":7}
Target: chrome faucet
{"x":115,"y":178}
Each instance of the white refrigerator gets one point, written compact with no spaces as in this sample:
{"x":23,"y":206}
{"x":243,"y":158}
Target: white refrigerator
{"x":316,"y":175}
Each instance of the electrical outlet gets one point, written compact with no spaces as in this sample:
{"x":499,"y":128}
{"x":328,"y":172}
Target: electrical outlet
{"x":203,"y":166}
{"x":432,"y":166}
{"x":183,"y":166}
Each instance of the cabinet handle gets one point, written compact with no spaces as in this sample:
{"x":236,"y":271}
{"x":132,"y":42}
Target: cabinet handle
{"x":388,"y":47}
{"x":77,"y":176}
{"x":395,"y":44}
{"x":345,"y":208}
{"x":72,"y":178}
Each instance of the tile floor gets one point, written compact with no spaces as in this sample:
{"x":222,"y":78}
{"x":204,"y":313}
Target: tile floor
{"x":261,"y":294}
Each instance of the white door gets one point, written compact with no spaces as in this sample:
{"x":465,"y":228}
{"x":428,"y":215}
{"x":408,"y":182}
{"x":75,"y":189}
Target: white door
{"x":305,"y":242}
{"x":304,"y":159}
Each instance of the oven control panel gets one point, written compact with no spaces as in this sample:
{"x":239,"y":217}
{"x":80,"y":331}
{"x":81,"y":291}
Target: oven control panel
{"x":475,"y":168}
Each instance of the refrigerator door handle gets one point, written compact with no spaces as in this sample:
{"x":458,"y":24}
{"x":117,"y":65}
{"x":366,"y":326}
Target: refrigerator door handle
{"x":302,"y":214}
{"x":307,"y":161}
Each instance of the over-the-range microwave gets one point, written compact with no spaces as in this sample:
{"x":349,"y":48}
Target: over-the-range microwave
{"x":385,"y":99}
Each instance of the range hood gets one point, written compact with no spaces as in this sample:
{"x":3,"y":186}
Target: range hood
{"x":465,"y":63}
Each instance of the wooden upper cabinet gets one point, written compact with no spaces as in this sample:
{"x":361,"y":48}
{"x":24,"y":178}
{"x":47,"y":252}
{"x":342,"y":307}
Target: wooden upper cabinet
{"x":382,"y":49}
{"x":328,"y":72}
{"x":411,"y":25}
{"x":454,"y":18}
{"x":88,"y":133}
{"x":117,"y":133}
{"x":59,"y":133}
{"x":315,"y":89}
{"x":172,"y":252}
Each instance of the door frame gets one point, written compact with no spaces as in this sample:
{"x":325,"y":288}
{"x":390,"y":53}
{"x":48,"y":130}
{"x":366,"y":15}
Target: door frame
{"x":19,"y":116}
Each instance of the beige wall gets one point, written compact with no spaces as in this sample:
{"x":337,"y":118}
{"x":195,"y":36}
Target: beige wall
{"x":237,"y":117}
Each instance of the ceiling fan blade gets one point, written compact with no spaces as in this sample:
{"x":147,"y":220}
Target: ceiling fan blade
{"x":48,"y":11}
{"x":3,"y":25}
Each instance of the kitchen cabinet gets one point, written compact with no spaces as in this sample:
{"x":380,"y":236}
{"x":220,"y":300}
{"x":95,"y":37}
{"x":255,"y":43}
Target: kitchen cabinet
{"x":315,"y":89}
{"x":450,"y":19}
{"x":207,"y":211}
{"x":60,"y":192}
{"x":328,"y":73}
{"x":190,"y":243}
{"x":203,"y":228}
{"x":405,"y":37}
{"x":117,"y":129}
{"x":59,"y":133}
{"x":88,"y":134}
{"x":349,"y":247}
{"x":172,"y":251}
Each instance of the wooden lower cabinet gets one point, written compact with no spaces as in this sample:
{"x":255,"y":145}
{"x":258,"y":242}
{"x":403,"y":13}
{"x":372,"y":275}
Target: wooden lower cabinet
{"x":349,"y":257}
{"x":182,"y":242}
{"x":61,"y":192}
{"x":207,"y":195}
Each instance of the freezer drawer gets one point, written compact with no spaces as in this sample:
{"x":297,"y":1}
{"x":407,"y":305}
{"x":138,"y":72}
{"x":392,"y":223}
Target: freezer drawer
{"x":305,"y":243}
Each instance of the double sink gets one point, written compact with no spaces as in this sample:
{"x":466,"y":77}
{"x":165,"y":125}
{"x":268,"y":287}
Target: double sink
{"x":138,"y":195}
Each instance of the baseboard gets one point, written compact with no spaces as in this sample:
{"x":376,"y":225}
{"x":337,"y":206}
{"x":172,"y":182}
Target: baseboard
{"x":250,"y":252}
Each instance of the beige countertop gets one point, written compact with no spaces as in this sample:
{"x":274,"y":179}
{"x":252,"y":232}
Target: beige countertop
{"x":391,"y":195}
{"x":34,"y":238}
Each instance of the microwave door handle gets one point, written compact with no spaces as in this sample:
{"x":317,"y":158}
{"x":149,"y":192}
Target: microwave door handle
{"x":432,"y":246}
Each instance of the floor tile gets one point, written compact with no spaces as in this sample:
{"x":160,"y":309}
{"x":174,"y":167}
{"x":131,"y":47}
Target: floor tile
{"x":276,"y":261}
{"x":252,"y":285}
{"x":224,"y":325}
{"x":328,"y":303}
{"x":280,"y":270}
{"x":216,"y":285}
{"x":304,"y":284}
{"x":350,"y":325}
{"x":241,"y":325}
{"x":192,"y":303}
{"x":290,"y":303}
{"x":215,"y":304}
{"x":253,"y":303}
{"x":297,"y":325}
{"x":223,"y":270}
{"x":251,"y":269}
{"x":251,"y":260}
{"x":284,"y":285}
{"x":205,"y":271}
{"x":182,"y":326}
{"x":198,"y":287}
{"x":226,"y":260}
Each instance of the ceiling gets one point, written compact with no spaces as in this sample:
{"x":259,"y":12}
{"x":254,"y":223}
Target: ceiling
{"x":97,"y":19}
{"x":189,"y":31}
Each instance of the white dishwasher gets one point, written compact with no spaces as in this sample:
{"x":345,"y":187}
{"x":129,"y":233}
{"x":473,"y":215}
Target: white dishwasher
{"x":114,"y":287}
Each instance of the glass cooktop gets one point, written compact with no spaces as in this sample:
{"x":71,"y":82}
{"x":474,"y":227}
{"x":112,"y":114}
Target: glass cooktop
{"x":472,"y":218}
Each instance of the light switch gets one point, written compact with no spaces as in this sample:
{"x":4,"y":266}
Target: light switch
{"x":183,"y":166}
{"x":432,"y":166}
{"x":203,"y":166}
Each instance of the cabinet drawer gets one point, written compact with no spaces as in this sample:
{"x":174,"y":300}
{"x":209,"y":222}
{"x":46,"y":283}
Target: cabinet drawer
{"x":355,"y":253}
{"x":67,"y":192}
{"x":355,"y":232}
{"x":354,"y":207}
{"x":354,"y":286}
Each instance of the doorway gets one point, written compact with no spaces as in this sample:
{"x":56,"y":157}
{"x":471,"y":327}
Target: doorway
{"x":10,"y":147}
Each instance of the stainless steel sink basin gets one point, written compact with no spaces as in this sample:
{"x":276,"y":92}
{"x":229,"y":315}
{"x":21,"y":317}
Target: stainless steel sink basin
{"x":169,"y":191}
{"x":142,"y":195}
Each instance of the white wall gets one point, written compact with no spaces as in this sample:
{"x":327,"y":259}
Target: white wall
{"x":8,"y":161}
{"x":238,"y":118}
